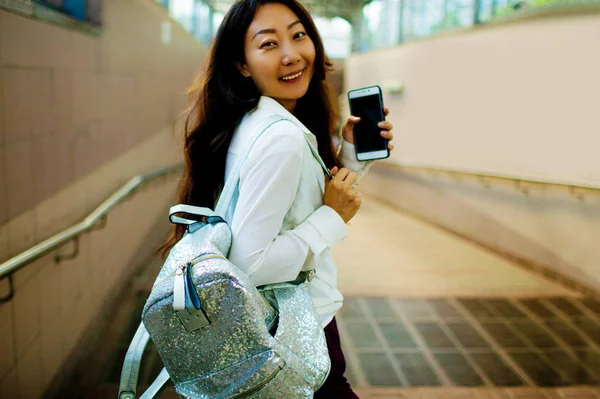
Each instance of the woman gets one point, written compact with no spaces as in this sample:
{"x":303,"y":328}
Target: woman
{"x":267,"y":58}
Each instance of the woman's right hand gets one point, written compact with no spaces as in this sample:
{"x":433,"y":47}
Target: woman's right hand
{"x":340,"y":195}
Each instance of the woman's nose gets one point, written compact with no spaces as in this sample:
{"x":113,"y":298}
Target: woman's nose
{"x":290,"y":55}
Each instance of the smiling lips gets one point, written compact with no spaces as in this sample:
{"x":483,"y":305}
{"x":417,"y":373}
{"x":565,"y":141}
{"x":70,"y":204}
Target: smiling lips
{"x":292,"y":78}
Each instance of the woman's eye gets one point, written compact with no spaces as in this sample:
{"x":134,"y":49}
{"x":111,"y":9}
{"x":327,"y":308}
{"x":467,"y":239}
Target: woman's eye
{"x":267,"y":44}
{"x":299,"y":35}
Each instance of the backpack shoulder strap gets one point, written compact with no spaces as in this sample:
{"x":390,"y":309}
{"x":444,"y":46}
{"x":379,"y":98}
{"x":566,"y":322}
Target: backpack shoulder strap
{"x":156,"y":386}
{"x":131,"y":365}
{"x":131,"y":368}
{"x":234,"y":176}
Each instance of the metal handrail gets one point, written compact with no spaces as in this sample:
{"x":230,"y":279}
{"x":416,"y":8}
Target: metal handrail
{"x":94,"y":220}
{"x":522,"y":184}
{"x":98,"y":217}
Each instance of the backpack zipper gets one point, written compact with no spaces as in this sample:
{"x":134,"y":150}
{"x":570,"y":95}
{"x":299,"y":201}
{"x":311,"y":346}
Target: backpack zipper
{"x":192,"y":263}
{"x":259,"y":386}
{"x":206,"y":257}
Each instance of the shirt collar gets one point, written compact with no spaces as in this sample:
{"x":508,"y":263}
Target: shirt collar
{"x":271,"y":105}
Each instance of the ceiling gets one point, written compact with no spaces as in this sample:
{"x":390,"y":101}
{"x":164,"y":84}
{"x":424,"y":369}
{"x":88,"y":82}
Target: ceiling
{"x":323,"y":8}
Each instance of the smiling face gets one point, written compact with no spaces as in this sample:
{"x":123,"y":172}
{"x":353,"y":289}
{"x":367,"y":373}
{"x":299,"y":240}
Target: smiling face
{"x":279,"y":55}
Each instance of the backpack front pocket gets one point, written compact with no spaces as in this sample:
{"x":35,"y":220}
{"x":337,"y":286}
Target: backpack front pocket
{"x":236,"y":381}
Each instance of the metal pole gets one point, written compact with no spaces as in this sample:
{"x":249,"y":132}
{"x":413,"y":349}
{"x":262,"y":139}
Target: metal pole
{"x":194,"y":24}
{"x":401,"y":23}
{"x":357,"y":22}
{"x":211,"y":24}
{"x":446,"y":10}
{"x":476,"y":12}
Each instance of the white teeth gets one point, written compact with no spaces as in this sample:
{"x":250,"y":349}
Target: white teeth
{"x":293,"y":76}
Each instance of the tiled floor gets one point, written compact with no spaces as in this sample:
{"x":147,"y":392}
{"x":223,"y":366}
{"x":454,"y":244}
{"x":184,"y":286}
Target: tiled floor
{"x":393,"y":343}
{"x":425,"y":308}
{"x":479,"y":393}
{"x":471,"y":342}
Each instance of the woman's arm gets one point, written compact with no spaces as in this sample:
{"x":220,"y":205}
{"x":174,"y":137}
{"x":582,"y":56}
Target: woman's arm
{"x":347,"y":157}
{"x":268,"y":186}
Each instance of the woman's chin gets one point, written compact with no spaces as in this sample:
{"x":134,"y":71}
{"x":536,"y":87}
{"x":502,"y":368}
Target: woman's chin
{"x":294,"y":95}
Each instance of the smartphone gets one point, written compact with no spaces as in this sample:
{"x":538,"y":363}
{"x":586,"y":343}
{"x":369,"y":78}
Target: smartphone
{"x":367,"y":104}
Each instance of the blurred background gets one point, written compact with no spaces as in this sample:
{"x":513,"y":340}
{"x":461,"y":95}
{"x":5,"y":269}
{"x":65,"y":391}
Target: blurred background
{"x":471,"y":270}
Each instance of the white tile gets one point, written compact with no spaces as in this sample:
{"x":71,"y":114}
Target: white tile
{"x":85,"y":51}
{"x":31,"y":43}
{"x":30,"y":372}
{"x":53,"y":354}
{"x":7,"y":343}
{"x":62,"y":101}
{"x":44,"y":157}
{"x":1,"y":105}
{"x":20,"y":174}
{"x":3,"y":196}
{"x":26,"y":308}
{"x":50,"y":291}
{"x":21,"y":232}
{"x":8,"y":385}
{"x":24,"y":275}
{"x":40,"y":106}
{"x":16,"y":100}
{"x":4,"y":243}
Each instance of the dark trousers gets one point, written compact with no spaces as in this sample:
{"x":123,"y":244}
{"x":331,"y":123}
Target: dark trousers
{"x":336,"y":386}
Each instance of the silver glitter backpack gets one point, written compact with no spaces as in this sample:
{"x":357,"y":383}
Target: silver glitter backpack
{"x":214,"y":330}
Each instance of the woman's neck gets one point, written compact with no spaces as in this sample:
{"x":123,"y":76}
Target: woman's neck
{"x":290,"y":105}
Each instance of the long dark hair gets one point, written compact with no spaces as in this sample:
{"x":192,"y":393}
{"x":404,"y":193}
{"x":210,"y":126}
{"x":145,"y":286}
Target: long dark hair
{"x":220,"y":96}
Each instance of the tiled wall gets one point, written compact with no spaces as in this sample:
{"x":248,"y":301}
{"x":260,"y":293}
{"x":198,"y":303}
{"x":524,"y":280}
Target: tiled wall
{"x":79,"y":116}
{"x":517,"y":99}
{"x":72,"y":101}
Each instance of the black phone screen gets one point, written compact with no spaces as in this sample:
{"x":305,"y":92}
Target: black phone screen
{"x":367,"y":136}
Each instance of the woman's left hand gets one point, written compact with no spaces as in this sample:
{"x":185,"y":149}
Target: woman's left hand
{"x":385,"y":126}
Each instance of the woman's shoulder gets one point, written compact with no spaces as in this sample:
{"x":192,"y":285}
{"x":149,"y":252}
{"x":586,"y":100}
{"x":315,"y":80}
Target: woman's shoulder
{"x":280,"y":132}
{"x":281,"y":137}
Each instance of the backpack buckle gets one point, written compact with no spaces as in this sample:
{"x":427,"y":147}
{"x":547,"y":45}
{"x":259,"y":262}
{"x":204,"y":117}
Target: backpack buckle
{"x":193,"y":320}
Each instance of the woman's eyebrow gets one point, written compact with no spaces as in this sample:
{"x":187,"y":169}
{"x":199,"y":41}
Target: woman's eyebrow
{"x":264,"y":31}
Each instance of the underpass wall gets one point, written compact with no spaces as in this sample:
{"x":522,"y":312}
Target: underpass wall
{"x":514,"y":100}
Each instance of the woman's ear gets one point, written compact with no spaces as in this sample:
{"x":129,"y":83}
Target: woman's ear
{"x":243,"y":69}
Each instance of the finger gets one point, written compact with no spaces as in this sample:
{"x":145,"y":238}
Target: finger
{"x":358,"y":198}
{"x":341,"y":175}
{"x":391,"y":147}
{"x":350,"y":180}
{"x":333,"y":172}
{"x":386,"y":111}
{"x":385,"y":125}
{"x":351,"y":121}
{"x":387,"y":135}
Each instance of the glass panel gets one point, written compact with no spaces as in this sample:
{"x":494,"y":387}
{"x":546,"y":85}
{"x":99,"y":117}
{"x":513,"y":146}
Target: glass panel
{"x":202,"y":23}
{"x":389,"y":22}
{"x":81,"y":10}
{"x":183,"y":11}
{"x":217,"y":19}
{"x":337,"y":36}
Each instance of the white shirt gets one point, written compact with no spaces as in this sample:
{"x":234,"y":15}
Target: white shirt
{"x":277,"y":217}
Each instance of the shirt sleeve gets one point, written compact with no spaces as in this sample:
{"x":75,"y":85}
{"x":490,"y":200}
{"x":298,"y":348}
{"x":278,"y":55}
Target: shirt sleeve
{"x":347,"y":158}
{"x":269,"y":182}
